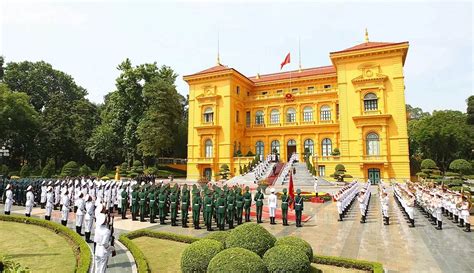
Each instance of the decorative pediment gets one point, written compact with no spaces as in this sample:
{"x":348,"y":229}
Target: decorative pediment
{"x":370,"y":73}
{"x":209,"y":93}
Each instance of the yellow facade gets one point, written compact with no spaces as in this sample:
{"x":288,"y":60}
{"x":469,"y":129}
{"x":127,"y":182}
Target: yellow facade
{"x":356,"y":105}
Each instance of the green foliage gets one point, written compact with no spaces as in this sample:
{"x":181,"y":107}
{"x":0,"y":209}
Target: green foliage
{"x":428,"y":164}
{"x":25,"y":171}
{"x":4,"y":170}
{"x":443,"y":137}
{"x":49,"y":169}
{"x":162,"y":235}
{"x":219,"y":235}
{"x":236,"y":260}
{"x":123,"y":168}
{"x":461,"y":166}
{"x":249,"y":153}
{"x":238,"y":153}
{"x":133,"y":175}
{"x":336,"y":152}
{"x":470,"y":110}
{"x":70,"y":169}
{"x":102,"y":145}
{"x":349,"y":263}
{"x":80,"y":247}
{"x":196,"y":257}
{"x":137,"y":167}
{"x":151,"y":170}
{"x":286,"y":258}
{"x":241,"y":171}
{"x":8,"y":265}
{"x":298,"y":243}
{"x":224,"y":171}
{"x":245,"y":169}
{"x":85,"y":170}
{"x":251,"y":236}
{"x":102,"y":171}
{"x":140,"y":259}
{"x":340,"y":173}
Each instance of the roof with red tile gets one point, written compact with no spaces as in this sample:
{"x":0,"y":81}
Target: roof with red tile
{"x":216,"y":68}
{"x":315,"y":71}
{"x":368,"y":45}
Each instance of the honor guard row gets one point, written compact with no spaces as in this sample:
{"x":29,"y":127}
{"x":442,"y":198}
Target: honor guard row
{"x":406,"y":201}
{"x":364,"y":199}
{"x":345,"y":197}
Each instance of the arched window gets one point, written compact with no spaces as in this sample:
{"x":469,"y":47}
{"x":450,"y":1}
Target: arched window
{"x":208,"y":148}
{"x":259,"y":117}
{"x":275,"y":116}
{"x":308,"y":113}
{"x":370,"y":102}
{"x":309,"y":145}
{"x":373,"y":144}
{"x":291,"y":142}
{"x":276,"y":146}
{"x":326,"y":147}
{"x":259,"y":146}
{"x":291,"y":115}
{"x":208,"y":115}
{"x":325,"y":112}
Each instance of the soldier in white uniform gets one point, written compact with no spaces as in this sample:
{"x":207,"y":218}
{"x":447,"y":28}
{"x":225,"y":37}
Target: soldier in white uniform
{"x":119,"y":198}
{"x":66,"y":204}
{"x":315,"y":186}
{"x":384,"y":204}
{"x":43,"y":194}
{"x":57,"y":196}
{"x":437,"y":205}
{"x":272,"y":205}
{"x":81,"y":209}
{"x":49,"y":203}
{"x":465,"y":207}
{"x":361,"y":200}
{"x":30,"y":201}
{"x":8,"y":199}
{"x":89,"y":218}
{"x":103,"y":248}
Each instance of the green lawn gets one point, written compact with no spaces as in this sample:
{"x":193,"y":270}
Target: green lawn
{"x":318,"y":268}
{"x":163,"y":255}
{"x":36,"y":247}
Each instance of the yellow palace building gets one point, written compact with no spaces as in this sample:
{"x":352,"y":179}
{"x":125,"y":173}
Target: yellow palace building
{"x":351,"y":112}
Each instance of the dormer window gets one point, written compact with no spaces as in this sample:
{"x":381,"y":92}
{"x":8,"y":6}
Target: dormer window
{"x":370,"y":102}
{"x":208,"y":115}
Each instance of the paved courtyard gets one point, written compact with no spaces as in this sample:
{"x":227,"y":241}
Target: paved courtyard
{"x":398,"y":247}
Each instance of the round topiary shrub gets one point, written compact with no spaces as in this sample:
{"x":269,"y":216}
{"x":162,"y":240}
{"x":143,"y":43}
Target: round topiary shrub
{"x":251,"y":236}
{"x":298,"y":243}
{"x":220,"y":236}
{"x":236,"y":260}
{"x":286,"y":258}
{"x":196,"y":256}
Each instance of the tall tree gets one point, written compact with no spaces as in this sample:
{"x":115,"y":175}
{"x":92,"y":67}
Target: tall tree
{"x":470,"y":110}
{"x":443,"y":137}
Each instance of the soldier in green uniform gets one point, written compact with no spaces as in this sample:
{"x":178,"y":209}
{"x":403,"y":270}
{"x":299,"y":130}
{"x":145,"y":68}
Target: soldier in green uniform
{"x":230,"y":209}
{"x":152,"y":197}
{"x":221,"y":210}
{"x":298,"y":207}
{"x":239,"y":204}
{"x":247,"y":203}
{"x":124,"y":202}
{"x":185,"y":200}
{"x":215,"y":196}
{"x":197,"y":203}
{"x":208,"y":204}
{"x":142,"y":197}
{"x":174,"y":205}
{"x":134,"y":203}
{"x":162,"y":205}
{"x":285,"y":202}
{"x":259,"y":204}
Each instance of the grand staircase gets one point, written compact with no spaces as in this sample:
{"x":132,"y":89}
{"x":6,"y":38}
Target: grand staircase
{"x":249,"y":178}
{"x":303,"y":177}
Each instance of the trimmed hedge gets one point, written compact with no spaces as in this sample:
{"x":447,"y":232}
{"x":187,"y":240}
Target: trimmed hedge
{"x":349,"y":263}
{"x":196,"y":257}
{"x":80,"y":247}
{"x":286,"y":258}
{"x":9,"y":265}
{"x":297,"y":243}
{"x":236,"y":260}
{"x":142,"y":265}
{"x":219,"y":235}
{"x":251,"y":236}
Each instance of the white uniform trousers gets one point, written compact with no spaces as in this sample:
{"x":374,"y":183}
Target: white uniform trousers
{"x":88,"y":223}
{"x":272,"y":212}
{"x":79,"y":219}
{"x":439,"y":214}
{"x":49,"y":209}
{"x":64,"y":214}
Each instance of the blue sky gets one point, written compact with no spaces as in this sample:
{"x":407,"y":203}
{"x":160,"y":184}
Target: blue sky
{"x":88,"y":39}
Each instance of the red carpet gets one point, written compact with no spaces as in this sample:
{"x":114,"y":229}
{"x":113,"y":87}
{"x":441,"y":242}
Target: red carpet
{"x":273,"y":178}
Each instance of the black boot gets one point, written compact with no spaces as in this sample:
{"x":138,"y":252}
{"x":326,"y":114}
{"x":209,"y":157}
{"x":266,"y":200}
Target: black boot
{"x":78,"y":230}
{"x":46,"y":218}
{"x":340,"y":217}
{"x":455,"y":219}
{"x":388,"y":220}
{"x":362,"y":219}
{"x":412,"y":223}
{"x":468,"y":227}
{"x":461,"y":222}
{"x":88,"y":237}
{"x":439,"y":227}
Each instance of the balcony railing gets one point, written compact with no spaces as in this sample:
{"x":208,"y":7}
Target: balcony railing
{"x":373,"y":158}
{"x":328,"y":158}
{"x":205,"y":160}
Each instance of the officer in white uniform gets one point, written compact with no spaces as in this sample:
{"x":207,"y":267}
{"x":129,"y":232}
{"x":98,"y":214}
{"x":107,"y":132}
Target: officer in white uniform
{"x":43,"y":194}
{"x":81,"y":209}
{"x":437,"y":206}
{"x":384,"y":204}
{"x":315,"y":186}
{"x":272,"y":205}
{"x":49,"y":203}
{"x":30,"y":201}
{"x":89,"y":218}
{"x":465,"y":206}
{"x":103,"y":248}
{"x":66,"y":204}
{"x":8,"y":199}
